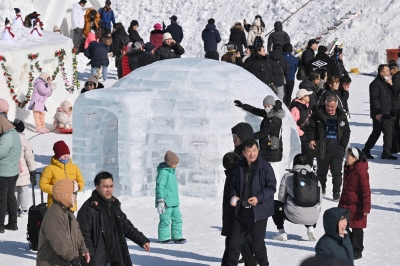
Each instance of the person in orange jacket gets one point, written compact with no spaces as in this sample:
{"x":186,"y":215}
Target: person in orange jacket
{"x":92,"y":18}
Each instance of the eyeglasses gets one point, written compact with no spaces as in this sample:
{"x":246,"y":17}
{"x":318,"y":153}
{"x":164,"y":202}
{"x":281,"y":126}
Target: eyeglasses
{"x":89,"y":84}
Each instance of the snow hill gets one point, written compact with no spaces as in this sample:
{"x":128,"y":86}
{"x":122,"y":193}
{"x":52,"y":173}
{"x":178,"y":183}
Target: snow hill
{"x":365,"y":39}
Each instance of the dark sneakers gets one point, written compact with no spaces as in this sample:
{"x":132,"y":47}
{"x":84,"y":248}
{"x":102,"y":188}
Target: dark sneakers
{"x":336,"y":196}
{"x":180,"y":241}
{"x":2,"y":230}
{"x":388,"y":157}
{"x":323,"y":191}
{"x":357,"y":256}
{"x":12,"y":227}
{"x":367,"y":154}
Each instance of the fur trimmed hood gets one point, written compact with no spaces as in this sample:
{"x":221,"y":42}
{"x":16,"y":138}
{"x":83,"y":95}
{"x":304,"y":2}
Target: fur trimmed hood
{"x":237,"y":27}
{"x":277,"y":111}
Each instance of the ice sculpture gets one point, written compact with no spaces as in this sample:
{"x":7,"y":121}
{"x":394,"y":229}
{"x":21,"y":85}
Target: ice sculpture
{"x":183,"y":105}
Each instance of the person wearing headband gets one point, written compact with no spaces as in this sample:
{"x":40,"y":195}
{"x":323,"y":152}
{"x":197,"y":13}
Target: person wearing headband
{"x":356,"y":196}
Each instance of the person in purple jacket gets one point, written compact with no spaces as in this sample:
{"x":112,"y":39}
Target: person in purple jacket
{"x":42,"y":88}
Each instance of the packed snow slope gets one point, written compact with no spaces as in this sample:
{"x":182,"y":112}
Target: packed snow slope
{"x":365,"y":39}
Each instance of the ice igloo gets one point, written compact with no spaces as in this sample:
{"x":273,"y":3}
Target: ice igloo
{"x":183,"y":105}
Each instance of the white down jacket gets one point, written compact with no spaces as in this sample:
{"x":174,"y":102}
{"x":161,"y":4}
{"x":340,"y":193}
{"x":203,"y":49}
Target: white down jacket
{"x":27,"y":162}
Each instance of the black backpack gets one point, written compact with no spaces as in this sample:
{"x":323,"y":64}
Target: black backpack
{"x":306,"y":190}
{"x":125,"y":40}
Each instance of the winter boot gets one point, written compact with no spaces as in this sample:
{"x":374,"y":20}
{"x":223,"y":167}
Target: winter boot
{"x":180,"y":241}
{"x":367,"y":154}
{"x":311,"y":234}
{"x":281,"y":235}
{"x":388,"y":157}
{"x":336,"y":196}
{"x":169,"y":241}
{"x":11,"y":226}
{"x":357,"y":255}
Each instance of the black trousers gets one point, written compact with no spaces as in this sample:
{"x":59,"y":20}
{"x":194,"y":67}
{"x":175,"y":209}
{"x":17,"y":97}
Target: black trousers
{"x":288,"y":92}
{"x":357,"y":239}
{"x":8,"y":202}
{"x":279,"y":216}
{"x":396,"y":134}
{"x":306,"y":150}
{"x":78,"y":34}
{"x":334,"y":159}
{"x":245,"y":250}
{"x":244,"y":225}
{"x":386,"y":127}
{"x":212,"y":55}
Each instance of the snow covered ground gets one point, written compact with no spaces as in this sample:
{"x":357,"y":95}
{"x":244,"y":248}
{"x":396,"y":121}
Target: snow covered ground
{"x":202,"y":217}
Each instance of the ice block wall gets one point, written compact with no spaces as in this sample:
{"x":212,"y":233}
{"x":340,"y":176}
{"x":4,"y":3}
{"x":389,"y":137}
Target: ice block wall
{"x":183,"y":105}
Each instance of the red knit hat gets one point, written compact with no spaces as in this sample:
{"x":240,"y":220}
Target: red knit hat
{"x":60,"y":149}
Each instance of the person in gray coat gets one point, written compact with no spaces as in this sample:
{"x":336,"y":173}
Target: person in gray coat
{"x":286,"y":208}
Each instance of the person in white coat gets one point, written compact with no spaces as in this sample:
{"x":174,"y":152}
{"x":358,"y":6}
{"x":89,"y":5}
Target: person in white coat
{"x":78,"y":22}
{"x":63,"y":116}
{"x":27,"y":175}
{"x":18,"y":21}
{"x":7,"y":34}
{"x":286,"y":208}
{"x":256,"y":30}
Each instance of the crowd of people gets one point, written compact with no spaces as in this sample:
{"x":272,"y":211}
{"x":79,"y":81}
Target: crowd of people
{"x":320,"y":110}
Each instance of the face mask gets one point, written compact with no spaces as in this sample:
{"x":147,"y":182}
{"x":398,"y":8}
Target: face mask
{"x":267,"y":109}
{"x":63,"y":161}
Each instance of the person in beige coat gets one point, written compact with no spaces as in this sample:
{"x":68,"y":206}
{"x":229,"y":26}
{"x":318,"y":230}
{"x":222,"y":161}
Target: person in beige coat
{"x":63,"y":116}
{"x":60,"y":239}
{"x":255,"y":31}
{"x":27,"y":175}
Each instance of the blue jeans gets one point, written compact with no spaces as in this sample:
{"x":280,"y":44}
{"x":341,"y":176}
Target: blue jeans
{"x":104,"y":72}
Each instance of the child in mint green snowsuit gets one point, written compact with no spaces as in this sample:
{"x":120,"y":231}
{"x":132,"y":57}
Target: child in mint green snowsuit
{"x":167,"y":201}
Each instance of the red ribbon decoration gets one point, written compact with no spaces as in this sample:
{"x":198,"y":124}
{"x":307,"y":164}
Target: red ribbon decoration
{"x":9,"y":30}
{"x":37,"y":31}
{"x":19,"y":17}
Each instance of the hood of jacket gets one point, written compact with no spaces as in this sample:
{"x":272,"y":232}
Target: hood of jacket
{"x":244,"y":131}
{"x":278,"y":26}
{"x":277,"y":111}
{"x":39,"y":80}
{"x":163,"y":167}
{"x":210,"y":27}
{"x":276,"y":55}
{"x":65,"y":105}
{"x":237,"y":27}
{"x":77,"y":5}
{"x":331,"y":220}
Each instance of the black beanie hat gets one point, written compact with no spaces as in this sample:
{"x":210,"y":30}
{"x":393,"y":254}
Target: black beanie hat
{"x":322,"y":49}
{"x":392,"y":64}
{"x":19,"y":125}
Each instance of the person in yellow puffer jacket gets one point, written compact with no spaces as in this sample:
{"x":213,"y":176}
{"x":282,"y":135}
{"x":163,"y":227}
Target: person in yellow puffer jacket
{"x":61,"y":167}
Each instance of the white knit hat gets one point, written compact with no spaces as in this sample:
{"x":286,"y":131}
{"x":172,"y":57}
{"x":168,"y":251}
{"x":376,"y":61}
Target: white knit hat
{"x":166,"y":36}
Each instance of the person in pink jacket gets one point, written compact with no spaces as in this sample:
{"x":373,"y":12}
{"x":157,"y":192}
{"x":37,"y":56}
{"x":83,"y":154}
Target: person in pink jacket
{"x":42,"y":88}
{"x":299,"y":108}
{"x":27,"y":175}
{"x":93,"y":36}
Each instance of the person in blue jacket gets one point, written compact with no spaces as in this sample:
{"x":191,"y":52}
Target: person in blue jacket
{"x":293,"y":63}
{"x":211,"y":38}
{"x":336,"y":241}
{"x":252,"y":195}
{"x":175,"y":29}
{"x":106,"y":16}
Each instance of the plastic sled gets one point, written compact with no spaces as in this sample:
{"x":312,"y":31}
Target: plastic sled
{"x":65,"y":130}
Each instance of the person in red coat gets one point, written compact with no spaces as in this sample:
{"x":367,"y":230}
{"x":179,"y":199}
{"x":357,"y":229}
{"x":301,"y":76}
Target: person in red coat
{"x":156,"y":35}
{"x":356,"y":196}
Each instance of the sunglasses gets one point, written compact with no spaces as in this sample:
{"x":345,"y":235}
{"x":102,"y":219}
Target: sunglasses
{"x":89,"y":84}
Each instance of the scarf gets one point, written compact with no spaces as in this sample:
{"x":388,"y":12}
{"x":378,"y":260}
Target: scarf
{"x":9,"y":31}
{"x":5,"y":125}
{"x":19,"y":17}
{"x":35,"y":29}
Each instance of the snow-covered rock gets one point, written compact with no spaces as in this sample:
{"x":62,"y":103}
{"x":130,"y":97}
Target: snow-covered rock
{"x":183,"y":105}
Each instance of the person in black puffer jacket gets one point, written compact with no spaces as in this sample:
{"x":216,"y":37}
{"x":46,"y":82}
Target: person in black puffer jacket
{"x":170,"y":49}
{"x":239,"y":37}
{"x":134,"y":55}
{"x":133,"y":34}
{"x":270,"y":126}
{"x":119,"y":39}
{"x":280,"y":70}
{"x":311,"y":84}
{"x":322,"y":61}
{"x":278,"y":37}
{"x":240,"y":133}
{"x":260,"y":67}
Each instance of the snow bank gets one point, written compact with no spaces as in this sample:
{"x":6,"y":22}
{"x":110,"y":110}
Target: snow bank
{"x":183,"y":105}
{"x":18,"y":65}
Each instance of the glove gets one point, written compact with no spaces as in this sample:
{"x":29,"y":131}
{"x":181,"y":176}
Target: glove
{"x":33,"y":178}
{"x":75,"y":262}
{"x":161,"y":206}
{"x":238,"y":103}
